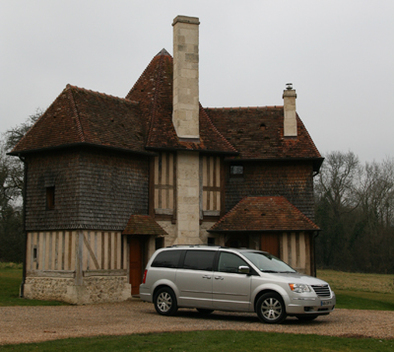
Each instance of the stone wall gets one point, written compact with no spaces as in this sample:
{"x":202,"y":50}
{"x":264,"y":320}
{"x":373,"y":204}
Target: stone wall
{"x":98,"y":289}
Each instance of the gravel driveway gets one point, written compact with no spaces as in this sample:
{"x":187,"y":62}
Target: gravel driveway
{"x":34,"y":324}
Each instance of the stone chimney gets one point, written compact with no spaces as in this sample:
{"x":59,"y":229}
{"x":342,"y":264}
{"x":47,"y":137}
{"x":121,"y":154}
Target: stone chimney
{"x":185,"y":116}
{"x":289,"y":107}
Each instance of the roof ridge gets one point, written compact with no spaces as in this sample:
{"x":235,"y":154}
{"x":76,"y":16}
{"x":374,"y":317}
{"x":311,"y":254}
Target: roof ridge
{"x":76,"y":113}
{"x":246,"y":107}
{"x":70,"y":86}
{"x":159,"y":55}
{"x":155,"y":98}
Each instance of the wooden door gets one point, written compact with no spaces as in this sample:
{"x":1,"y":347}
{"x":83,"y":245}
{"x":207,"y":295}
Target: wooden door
{"x":135,"y":267}
{"x":270,"y":243}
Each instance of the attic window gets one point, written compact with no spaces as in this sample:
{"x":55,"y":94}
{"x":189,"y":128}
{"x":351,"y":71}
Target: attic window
{"x":236,"y":170}
{"x":50,"y":198}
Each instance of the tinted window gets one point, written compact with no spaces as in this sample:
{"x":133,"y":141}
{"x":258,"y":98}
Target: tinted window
{"x":167,"y":259}
{"x":199,"y":260}
{"x":229,"y":263}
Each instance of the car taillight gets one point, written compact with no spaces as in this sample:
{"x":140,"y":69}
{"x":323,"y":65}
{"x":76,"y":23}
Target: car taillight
{"x":144,"y":278}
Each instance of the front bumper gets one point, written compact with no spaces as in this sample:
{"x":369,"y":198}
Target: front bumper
{"x":311,"y":305}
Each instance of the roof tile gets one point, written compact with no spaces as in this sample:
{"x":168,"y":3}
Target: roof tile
{"x":264,"y":214}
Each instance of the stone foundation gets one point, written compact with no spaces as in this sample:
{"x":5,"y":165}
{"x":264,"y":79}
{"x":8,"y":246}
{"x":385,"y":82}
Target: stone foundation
{"x":98,"y":289}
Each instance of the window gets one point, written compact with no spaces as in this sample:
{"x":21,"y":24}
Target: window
{"x":159,"y":242}
{"x":199,"y":260}
{"x":229,"y":263}
{"x":50,"y":195}
{"x":236,"y":170}
{"x":167,"y":259}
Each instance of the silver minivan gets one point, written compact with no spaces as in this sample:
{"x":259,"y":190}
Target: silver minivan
{"x":243,"y":280}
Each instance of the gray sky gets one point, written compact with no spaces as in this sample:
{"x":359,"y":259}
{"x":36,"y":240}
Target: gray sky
{"x":339,"y":55}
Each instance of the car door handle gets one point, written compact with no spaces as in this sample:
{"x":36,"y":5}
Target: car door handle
{"x":219,"y":278}
{"x":206,"y":277}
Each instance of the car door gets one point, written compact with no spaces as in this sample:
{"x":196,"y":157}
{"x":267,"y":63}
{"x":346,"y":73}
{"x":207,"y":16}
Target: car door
{"x":231,"y":289}
{"x":194,"y":279}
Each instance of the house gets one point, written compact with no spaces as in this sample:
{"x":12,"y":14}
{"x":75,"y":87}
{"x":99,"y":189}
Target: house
{"x":108,"y":180}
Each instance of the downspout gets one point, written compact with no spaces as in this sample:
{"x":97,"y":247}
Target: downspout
{"x":22,"y":286}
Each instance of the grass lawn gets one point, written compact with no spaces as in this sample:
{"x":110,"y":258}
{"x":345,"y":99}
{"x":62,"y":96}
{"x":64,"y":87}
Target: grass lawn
{"x":10,"y":280}
{"x":209,"y":341}
{"x":361,"y":291}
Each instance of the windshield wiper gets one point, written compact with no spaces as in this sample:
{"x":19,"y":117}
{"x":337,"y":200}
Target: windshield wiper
{"x":289,"y":272}
{"x":268,"y":271}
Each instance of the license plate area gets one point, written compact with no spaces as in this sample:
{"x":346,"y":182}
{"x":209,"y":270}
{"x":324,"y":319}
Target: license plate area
{"x":326,"y":303}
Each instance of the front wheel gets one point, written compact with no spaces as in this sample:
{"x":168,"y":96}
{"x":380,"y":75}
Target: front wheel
{"x":270,"y":308}
{"x":165,"y":301}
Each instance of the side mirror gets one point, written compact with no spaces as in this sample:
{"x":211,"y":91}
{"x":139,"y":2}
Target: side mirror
{"x":243,"y":269}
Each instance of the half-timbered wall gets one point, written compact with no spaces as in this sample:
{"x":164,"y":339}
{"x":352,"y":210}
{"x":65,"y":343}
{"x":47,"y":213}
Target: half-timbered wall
{"x":52,"y":251}
{"x":164,"y":183}
{"x":210,"y":178}
{"x":295,"y":250}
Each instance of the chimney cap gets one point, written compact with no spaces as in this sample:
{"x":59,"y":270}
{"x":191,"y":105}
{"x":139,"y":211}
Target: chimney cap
{"x":186,"y":19}
{"x":289,"y":86}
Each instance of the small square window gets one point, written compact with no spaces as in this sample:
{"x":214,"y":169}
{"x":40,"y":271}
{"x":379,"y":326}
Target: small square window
{"x":236,"y":170}
{"x":50,"y":195}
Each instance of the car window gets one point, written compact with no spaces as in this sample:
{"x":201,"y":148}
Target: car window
{"x":229,"y":263}
{"x":199,"y":260}
{"x":167,"y":259}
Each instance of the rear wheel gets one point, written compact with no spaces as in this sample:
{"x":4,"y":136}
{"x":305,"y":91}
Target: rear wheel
{"x":270,"y":308}
{"x":165,"y":301}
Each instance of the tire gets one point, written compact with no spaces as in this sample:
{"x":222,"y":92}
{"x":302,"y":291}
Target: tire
{"x":165,"y":301}
{"x":270,"y":308}
{"x":204,"y":311}
{"x":306,"y":317}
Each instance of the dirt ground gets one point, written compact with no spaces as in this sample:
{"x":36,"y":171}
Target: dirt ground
{"x":34,"y":324}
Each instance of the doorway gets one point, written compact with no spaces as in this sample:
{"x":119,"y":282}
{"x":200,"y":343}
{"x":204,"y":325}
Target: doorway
{"x":270,"y":243}
{"x":136,"y":263}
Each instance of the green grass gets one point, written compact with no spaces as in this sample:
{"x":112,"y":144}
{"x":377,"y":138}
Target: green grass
{"x":361,"y":291}
{"x":209,"y":341}
{"x":10,"y":280}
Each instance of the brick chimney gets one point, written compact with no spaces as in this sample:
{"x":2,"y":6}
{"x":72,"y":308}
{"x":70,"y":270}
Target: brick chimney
{"x":185,"y":116}
{"x":289,"y":107}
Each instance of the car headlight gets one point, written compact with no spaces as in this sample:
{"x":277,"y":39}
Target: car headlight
{"x":300,"y":288}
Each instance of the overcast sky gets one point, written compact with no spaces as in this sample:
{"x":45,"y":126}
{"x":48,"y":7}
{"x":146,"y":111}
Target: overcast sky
{"x":339,"y":55}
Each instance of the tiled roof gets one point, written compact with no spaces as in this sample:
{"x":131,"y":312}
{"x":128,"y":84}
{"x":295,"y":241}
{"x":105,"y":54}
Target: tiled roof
{"x":143,"y":225}
{"x":257,"y":133}
{"x":83,"y":116}
{"x":143,"y":121}
{"x":264,"y":214}
{"x":153,"y":91}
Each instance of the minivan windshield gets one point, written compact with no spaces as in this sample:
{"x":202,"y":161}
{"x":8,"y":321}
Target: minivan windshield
{"x":268,"y":263}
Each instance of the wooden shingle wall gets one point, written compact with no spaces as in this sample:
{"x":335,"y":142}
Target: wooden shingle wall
{"x":293,"y":180}
{"x":93,"y":190}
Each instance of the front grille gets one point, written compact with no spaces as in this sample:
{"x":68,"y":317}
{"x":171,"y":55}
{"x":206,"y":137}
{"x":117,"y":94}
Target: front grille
{"x":322,"y":290}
